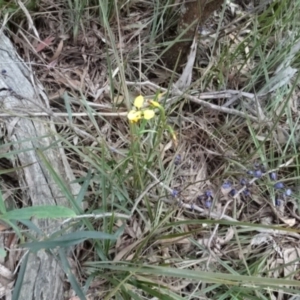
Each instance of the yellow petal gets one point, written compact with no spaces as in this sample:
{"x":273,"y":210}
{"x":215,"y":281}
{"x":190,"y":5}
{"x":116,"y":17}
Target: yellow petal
{"x":133,"y":116}
{"x":138,"y":102}
{"x":154,"y":103}
{"x":148,"y":114}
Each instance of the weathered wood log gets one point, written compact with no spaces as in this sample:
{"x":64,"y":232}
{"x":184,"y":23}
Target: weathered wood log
{"x":20,"y":92}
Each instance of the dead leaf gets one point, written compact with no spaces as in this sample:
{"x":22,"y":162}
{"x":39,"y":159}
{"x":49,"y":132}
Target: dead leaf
{"x":6,"y":273}
{"x":229,"y":235}
{"x":117,"y":100}
{"x":125,"y":250}
{"x":291,"y":260}
{"x":186,"y":78}
{"x":261,"y":238}
{"x":3,"y":227}
{"x":52,"y":64}
{"x":58,"y":51}
{"x":43,"y":44}
{"x":175,"y":240}
{"x":290,"y":222}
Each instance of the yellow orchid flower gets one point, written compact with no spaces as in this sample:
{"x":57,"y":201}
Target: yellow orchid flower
{"x":148,"y":114}
{"x":134,"y":116}
{"x":138,"y":113}
{"x":139,"y":102}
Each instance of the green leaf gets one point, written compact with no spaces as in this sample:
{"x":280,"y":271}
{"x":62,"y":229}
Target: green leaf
{"x":64,"y":189}
{"x":71,"y":278}
{"x":39,"y":212}
{"x":20,"y":277}
{"x":83,"y":190}
{"x":69,"y":239}
{"x":205,"y":276}
{"x":2,"y":205}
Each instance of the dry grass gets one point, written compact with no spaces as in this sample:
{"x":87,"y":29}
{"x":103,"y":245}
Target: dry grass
{"x":240,"y":113}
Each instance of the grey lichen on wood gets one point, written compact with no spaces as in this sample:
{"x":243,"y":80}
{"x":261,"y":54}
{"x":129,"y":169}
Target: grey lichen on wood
{"x":20,"y":92}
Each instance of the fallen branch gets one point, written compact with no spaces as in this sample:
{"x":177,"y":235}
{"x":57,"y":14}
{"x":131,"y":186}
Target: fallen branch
{"x":214,"y":107}
{"x":43,"y":277}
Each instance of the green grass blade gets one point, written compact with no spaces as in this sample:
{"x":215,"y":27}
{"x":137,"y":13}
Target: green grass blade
{"x":71,"y":278}
{"x":19,"y":282}
{"x":39,"y":212}
{"x":69,"y":239}
{"x":2,"y":205}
